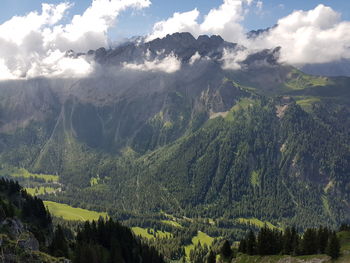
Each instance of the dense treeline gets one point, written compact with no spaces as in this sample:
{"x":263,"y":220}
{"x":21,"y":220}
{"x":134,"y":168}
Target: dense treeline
{"x":103,"y":242}
{"x":111,"y":242}
{"x":290,"y":242}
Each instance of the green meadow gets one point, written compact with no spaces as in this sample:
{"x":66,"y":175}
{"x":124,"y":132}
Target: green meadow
{"x":255,"y":222}
{"x":40,"y":190}
{"x":71,"y":213}
{"x":172,"y":223}
{"x":202,"y":238}
{"x":149,"y":233}
{"x":23,"y":173}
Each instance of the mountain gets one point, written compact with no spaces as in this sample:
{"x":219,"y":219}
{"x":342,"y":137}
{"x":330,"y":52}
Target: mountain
{"x":27,"y":235}
{"x":337,"y":68}
{"x":257,"y":140}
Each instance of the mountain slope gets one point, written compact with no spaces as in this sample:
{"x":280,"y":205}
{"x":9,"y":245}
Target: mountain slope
{"x":264,"y":140}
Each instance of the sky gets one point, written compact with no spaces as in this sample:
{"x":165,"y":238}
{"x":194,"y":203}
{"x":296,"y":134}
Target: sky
{"x":35,"y":35}
{"x":140,"y":23}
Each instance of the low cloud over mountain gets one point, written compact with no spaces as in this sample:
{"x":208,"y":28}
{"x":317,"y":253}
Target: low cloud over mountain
{"x":36,"y":44}
{"x":315,"y":36}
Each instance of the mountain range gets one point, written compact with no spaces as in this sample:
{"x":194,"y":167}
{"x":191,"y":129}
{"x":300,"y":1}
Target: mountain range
{"x":188,"y":127}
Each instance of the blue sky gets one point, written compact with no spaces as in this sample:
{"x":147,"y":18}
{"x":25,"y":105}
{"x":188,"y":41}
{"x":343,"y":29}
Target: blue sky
{"x":140,"y":23}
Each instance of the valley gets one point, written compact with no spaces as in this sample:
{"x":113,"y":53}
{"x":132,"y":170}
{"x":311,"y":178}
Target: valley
{"x":189,"y":159}
{"x":145,"y":131}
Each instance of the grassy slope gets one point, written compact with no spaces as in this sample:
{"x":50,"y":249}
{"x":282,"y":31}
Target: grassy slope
{"x":40,"y":190}
{"x":255,"y":222}
{"x":298,"y":80}
{"x":172,"y":223}
{"x":23,"y":173}
{"x":201,"y":237}
{"x":143,"y":232}
{"x":71,"y":213}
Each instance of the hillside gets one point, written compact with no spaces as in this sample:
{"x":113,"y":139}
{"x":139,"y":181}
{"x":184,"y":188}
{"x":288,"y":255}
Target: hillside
{"x":28,"y":235}
{"x":262,"y":141}
{"x":25,"y":226}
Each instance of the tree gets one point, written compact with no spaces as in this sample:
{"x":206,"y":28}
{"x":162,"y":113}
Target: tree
{"x":226,"y":250}
{"x":242,"y":246}
{"x":323,"y":236}
{"x":309,"y":243}
{"x":251,"y":243}
{"x":59,"y":245}
{"x":287,"y":241}
{"x":211,"y":258}
{"x":333,"y":247}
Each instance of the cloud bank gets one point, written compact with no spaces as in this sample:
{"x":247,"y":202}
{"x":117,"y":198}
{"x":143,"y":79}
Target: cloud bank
{"x":36,"y":44}
{"x":232,"y":58}
{"x":224,"y":21}
{"x":306,"y":37}
{"x":168,"y":64}
{"x":315,"y":36}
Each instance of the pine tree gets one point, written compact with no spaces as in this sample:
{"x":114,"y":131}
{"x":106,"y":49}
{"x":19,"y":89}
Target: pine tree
{"x":295,"y":243}
{"x":323,"y":236}
{"x":59,"y":245}
{"x":242,"y":246}
{"x":333,"y":247}
{"x":309,"y":243}
{"x":251,"y":243}
{"x":287,"y":241}
{"x":211,"y":258}
{"x":226,"y":250}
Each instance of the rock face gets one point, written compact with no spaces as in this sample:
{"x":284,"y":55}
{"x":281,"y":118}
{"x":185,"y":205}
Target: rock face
{"x":13,"y":227}
{"x":18,"y":245}
{"x":182,"y":45}
{"x":29,"y":242}
{"x":16,"y":230}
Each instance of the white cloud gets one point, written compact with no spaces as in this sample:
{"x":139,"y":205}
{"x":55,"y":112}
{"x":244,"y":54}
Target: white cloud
{"x":57,"y":64}
{"x":315,"y":36}
{"x":259,"y":5}
{"x":35,"y":44}
{"x":168,"y":64}
{"x":232,"y":58}
{"x":224,"y":20}
{"x":179,"y":22}
{"x":18,"y":28}
{"x":89,"y":30}
{"x":194,"y":58}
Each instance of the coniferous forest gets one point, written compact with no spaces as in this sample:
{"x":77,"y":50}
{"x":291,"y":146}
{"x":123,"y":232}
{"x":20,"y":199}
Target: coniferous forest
{"x":28,"y":233}
{"x":290,"y":242}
